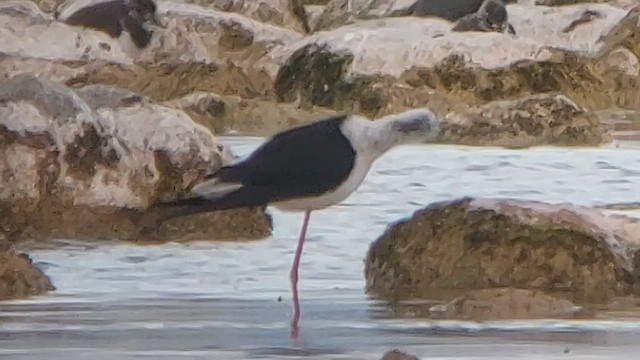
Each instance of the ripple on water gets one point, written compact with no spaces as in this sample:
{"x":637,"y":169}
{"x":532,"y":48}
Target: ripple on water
{"x":221,"y":300}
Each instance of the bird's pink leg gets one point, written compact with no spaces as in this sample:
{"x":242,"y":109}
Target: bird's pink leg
{"x":294,"y":276}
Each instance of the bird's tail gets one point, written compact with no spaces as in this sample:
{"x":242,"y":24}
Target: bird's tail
{"x":209,"y":195}
{"x":223,"y":190}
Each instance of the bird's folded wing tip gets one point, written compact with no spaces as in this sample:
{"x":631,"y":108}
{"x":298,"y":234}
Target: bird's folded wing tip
{"x":214,"y":189}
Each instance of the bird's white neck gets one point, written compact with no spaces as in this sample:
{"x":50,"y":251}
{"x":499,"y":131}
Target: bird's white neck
{"x":370,"y":138}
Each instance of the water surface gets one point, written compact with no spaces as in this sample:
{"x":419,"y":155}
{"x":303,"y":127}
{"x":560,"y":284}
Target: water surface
{"x":208,"y":300}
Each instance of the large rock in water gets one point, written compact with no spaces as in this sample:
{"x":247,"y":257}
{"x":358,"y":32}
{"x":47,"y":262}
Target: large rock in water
{"x":73,"y":171}
{"x":489,"y":243}
{"x":19,"y":278}
{"x":383,"y":65}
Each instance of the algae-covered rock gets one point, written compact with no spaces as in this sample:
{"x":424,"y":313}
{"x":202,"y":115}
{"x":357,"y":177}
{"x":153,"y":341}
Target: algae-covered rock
{"x":376,"y":66}
{"x":74,"y":172}
{"x":19,"y":278}
{"x":532,"y":120}
{"x":490,"y":243}
{"x":289,"y":14}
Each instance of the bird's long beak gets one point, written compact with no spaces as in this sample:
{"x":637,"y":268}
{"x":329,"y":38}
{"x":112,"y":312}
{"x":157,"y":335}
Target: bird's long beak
{"x":417,"y":122}
{"x":412,"y":125}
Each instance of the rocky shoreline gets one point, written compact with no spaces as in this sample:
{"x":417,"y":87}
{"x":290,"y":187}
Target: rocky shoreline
{"x":265,"y":60}
{"x":91,"y":134}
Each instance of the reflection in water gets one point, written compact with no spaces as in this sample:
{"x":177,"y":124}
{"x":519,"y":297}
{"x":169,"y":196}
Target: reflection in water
{"x":207,"y":300}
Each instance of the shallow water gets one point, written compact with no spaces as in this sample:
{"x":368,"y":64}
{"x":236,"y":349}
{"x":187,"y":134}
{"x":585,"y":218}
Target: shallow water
{"x":207,"y":300}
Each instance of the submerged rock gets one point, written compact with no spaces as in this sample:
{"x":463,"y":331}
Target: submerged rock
{"x":487,"y":243}
{"x":396,"y":354}
{"x":19,"y":278}
{"x":373,"y":66}
{"x":506,"y":304}
{"x":72,"y":171}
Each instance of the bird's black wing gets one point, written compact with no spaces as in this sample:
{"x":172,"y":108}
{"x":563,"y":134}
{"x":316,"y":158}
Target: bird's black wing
{"x":304,"y":161}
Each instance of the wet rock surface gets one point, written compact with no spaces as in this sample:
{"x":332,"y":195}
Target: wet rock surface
{"x":19,"y":277}
{"x":480,"y":243}
{"x":72,"y":170}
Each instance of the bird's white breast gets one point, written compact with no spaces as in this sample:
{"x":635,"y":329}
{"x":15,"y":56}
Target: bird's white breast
{"x":357,"y":175}
{"x":357,"y":131}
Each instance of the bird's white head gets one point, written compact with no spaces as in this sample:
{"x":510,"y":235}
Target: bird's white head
{"x":414,"y":126}
{"x":376,"y":137}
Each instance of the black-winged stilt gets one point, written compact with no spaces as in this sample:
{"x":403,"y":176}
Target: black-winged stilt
{"x":306,"y":168}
